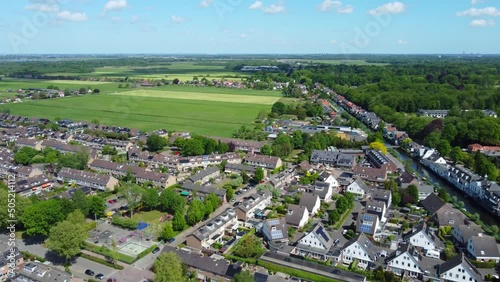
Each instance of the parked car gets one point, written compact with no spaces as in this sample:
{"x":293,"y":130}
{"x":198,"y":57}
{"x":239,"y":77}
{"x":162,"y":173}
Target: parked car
{"x":89,"y":272}
{"x":157,"y":249}
{"x":171,"y":240}
{"x":111,"y":280}
{"x":336,"y":242}
{"x":112,"y":201}
{"x":100,"y":276}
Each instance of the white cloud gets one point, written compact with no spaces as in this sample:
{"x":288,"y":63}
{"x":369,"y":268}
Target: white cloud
{"x":274,"y":8}
{"x":112,"y":5}
{"x":349,"y":9}
{"x":474,"y":12}
{"x":482,"y":23}
{"x":402,"y":42}
{"x":475,"y":2}
{"x":244,"y":35}
{"x":256,"y":5}
{"x":74,"y":17}
{"x":177,"y":19}
{"x":329,"y":5}
{"x":206,"y":3}
{"x":134,"y":19}
{"x":388,"y":8}
{"x":46,"y":8}
{"x":271,"y":9}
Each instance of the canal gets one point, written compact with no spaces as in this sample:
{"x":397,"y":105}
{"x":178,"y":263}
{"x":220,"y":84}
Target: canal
{"x":470,"y":205}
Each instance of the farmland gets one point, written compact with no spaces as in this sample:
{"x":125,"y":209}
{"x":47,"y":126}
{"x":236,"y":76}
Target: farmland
{"x":197,"y":112}
{"x":180,"y":70}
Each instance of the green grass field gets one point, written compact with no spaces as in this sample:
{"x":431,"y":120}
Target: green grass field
{"x":180,"y":70}
{"x":209,"y":113}
{"x":16,"y":84}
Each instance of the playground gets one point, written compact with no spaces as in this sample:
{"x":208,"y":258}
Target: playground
{"x":130,"y":243}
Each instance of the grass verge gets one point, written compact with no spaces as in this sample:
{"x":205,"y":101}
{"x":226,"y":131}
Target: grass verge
{"x":109,"y":253}
{"x":295,"y":272}
{"x":343,"y":218}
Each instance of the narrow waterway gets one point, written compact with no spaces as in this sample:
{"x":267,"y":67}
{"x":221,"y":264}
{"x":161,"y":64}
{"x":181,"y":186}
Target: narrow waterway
{"x":470,"y":205}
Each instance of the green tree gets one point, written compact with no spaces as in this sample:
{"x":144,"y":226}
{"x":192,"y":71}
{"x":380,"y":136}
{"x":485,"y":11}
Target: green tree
{"x":168,"y":267}
{"x":244,"y":177}
{"x":167,"y":232}
{"x":297,"y":140}
{"x":350,"y":234}
{"x":193,"y":147}
{"x":278,"y":108}
{"x":80,"y":201}
{"x":179,"y":222}
{"x":155,"y":143}
{"x":212,"y":202}
{"x":171,"y":201}
{"x":133,"y":196}
{"x":249,"y":247}
{"x":243,"y":276}
{"x":282,"y":146}
{"x":150,"y":198}
{"x":229,"y":193}
{"x":333,"y":217}
{"x":259,"y":175}
{"x":97,"y":206}
{"x":66,"y":238}
{"x":266,"y":150}
{"x":41,"y":216}
{"x":413,"y":192}
{"x":405,"y":225}
{"x":195,"y":213}
{"x":109,"y":150}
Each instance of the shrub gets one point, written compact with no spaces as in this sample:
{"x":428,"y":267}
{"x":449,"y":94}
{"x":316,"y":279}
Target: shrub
{"x":146,"y":252}
{"x":101,"y":261}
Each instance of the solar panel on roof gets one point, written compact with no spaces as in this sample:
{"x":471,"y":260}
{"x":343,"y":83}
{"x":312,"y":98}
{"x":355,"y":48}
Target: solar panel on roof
{"x":321,"y":232}
{"x":276,"y":234}
{"x":274,"y":222}
{"x":365,"y":228}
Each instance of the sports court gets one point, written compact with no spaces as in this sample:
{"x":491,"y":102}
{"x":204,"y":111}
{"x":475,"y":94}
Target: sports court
{"x":132,"y":248}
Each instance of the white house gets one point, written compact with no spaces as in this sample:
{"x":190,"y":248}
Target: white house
{"x":357,"y":187}
{"x":311,"y":201}
{"x":422,"y":236}
{"x":483,"y":248}
{"x":315,"y":244}
{"x":328,"y":178}
{"x":297,"y":216}
{"x":463,"y":232}
{"x":361,"y":249}
{"x":459,"y":269}
{"x":407,"y":262}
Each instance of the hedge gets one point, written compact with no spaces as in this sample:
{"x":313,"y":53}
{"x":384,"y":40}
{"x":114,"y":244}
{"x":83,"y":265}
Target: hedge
{"x":107,"y":253}
{"x":483,"y":264}
{"x":101,"y":261}
{"x":247,"y":260}
{"x":295,"y":272}
{"x":146,"y":252}
{"x":32,"y":257}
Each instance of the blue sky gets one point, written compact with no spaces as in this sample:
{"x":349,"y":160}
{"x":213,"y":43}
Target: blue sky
{"x":249,"y":26}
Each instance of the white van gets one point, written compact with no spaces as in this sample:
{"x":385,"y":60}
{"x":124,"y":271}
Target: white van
{"x":432,"y":253}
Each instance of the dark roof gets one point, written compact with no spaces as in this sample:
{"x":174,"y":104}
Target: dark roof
{"x":485,"y":246}
{"x":295,"y":214}
{"x":203,"y":189}
{"x":405,"y":178}
{"x":309,"y":200}
{"x":432,"y":203}
{"x":213,"y":264}
{"x":461,"y":260}
{"x":204,"y":173}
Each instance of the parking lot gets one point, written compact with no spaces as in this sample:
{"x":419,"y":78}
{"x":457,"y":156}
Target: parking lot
{"x":81,"y":265}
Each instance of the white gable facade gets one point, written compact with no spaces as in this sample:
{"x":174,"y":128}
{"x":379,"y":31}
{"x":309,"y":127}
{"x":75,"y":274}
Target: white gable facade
{"x":405,"y":262}
{"x":458,"y":274}
{"x":421,"y":239}
{"x":355,"y":189}
{"x":332,"y":181}
{"x":356,"y":251}
{"x":312,"y":241}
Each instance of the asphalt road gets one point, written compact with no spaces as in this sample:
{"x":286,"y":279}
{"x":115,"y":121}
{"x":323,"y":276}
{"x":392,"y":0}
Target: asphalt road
{"x":313,"y":267}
